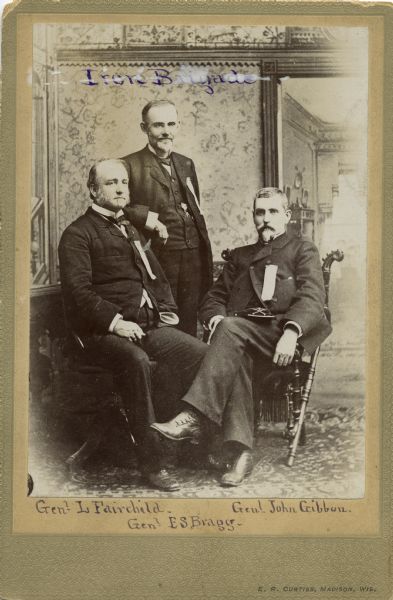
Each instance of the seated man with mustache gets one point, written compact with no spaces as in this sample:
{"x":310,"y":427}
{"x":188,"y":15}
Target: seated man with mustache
{"x":280,"y":274}
{"x":118,"y":301}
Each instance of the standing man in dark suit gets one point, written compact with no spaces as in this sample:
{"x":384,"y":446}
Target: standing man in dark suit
{"x":280,"y":274}
{"x":119,"y":302}
{"x":164,"y":188}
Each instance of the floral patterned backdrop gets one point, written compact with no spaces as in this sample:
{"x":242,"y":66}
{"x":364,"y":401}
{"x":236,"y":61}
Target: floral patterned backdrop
{"x":237,"y":36}
{"x":220,"y":128}
{"x":220,"y":132}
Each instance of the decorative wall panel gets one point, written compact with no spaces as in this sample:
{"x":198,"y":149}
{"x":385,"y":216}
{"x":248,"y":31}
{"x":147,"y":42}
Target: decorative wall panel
{"x":87,"y":35}
{"x":205,"y":36}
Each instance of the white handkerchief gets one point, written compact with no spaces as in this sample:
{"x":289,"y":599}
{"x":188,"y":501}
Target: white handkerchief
{"x":269,"y":282}
{"x":144,"y":258}
{"x":191,"y":188}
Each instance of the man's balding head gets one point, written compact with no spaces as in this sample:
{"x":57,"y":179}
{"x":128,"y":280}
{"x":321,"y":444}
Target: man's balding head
{"x":108,"y":184}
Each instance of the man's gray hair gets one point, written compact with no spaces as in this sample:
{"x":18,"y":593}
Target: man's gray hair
{"x":154,"y":103}
{"x":271,"y":192}
{"x":92,"y":178}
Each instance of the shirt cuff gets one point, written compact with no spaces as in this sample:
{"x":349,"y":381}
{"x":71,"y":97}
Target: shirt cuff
{"x":115,"y":319}
{"x":151,"y":221}
{"x":295,"y":326}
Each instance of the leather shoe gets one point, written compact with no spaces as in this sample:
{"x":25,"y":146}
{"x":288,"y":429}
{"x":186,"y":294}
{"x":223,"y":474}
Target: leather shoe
{"x":161,"y":480}
{"x":241,"y":468}
{"x":186,"y":426}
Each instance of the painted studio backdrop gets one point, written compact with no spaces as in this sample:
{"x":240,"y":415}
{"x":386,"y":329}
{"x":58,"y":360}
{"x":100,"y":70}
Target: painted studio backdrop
{"x":283,"y":106}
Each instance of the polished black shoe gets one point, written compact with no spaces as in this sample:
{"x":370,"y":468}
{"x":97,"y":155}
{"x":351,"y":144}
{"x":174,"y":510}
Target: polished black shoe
{"x":186,"y":426}
{"x":161,"y":480}
{"x":241,"y":468}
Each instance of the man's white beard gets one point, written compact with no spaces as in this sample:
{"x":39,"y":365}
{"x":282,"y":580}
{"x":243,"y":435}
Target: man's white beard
{"x":165,"y":147}
{"x":266,"y":235}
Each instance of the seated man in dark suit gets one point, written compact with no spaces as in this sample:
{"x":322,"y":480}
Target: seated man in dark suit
{"x":119,"y":302}
{"x":281,"y":276}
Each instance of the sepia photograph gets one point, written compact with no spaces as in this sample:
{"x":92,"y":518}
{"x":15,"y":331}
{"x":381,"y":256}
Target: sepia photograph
{"x":195,"y":333}
{"x":198,"y":261}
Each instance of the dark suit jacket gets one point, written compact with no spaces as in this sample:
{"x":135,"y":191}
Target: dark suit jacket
{"x":299,"y":292}
{"x":102,"y":274}
{"x":149,"y":190}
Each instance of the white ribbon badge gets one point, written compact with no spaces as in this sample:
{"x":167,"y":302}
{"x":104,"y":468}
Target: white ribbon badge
{"x":269,"y":282}
{"x":144,"y":258}
{"x":191,"y":188}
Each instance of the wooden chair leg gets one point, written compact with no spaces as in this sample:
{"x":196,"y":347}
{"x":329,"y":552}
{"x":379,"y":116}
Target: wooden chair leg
{"x":300,"y":433}
{"x":98,"y":428}
{"x":293,"y":394}
{"x":289,"y":429}
{"x":298,"y":430}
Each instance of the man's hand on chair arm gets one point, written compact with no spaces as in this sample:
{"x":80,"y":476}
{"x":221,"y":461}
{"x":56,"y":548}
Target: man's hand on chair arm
{"x":286,"y":345}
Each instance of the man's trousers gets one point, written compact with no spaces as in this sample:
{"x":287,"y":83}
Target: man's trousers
{"x":222,"y":390}
{"x":183,"y":270}
{"x":149,"y":394}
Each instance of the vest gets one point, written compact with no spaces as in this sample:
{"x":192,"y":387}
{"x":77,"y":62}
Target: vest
{"x":182,"y":231}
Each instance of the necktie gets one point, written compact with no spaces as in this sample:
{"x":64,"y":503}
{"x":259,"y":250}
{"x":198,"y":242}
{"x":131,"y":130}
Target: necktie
{"x":165,"y":161}
{"x":124,"y":224}
{"x":122,"y":220}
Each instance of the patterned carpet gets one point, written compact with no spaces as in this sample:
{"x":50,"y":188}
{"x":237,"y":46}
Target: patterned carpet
{"x":330,"y":465}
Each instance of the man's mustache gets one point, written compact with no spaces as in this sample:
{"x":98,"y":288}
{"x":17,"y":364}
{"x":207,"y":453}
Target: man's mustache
{"x":265,"y":228}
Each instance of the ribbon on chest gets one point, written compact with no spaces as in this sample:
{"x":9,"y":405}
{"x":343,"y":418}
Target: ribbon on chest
{"x":269,"y":282}
{"x":132,"y":237}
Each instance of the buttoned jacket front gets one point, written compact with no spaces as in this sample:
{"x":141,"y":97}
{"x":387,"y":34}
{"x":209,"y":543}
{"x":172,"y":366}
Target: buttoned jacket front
{"x":299,"y":293}
{"x":150,"y":190}
{"x":102,"y":274}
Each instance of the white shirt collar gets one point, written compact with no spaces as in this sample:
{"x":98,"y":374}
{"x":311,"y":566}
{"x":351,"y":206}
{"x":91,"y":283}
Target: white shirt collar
{"x":105,"y":212}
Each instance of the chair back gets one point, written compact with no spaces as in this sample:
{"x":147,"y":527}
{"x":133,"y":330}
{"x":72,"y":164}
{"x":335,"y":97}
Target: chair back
{"x":334,"y":255}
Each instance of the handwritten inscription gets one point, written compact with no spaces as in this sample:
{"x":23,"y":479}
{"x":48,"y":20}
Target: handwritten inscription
{"x":197,"y":522}
{"x":160,"y":76}
{"x":153,"y":515}
{"x":282,"y":506}
{"x":99,"y":507}
{"x":52,"y":509}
